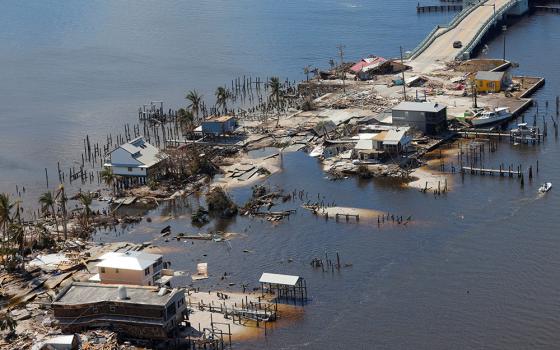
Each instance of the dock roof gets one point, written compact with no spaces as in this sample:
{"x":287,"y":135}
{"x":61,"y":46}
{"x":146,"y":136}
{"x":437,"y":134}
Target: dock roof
{"x":275,"y":278}
{"x":79,"y":293}
{"x":131,"y":260}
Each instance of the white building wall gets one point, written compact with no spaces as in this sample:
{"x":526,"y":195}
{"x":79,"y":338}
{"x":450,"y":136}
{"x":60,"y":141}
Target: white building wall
{"x":129,"y":171}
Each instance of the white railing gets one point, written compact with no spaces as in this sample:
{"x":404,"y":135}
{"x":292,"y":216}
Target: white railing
{"x":484,"y":28}
{"x":432,"y":36}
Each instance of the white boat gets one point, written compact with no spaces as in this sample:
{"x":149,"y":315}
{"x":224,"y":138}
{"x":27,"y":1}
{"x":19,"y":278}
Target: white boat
{"x":489,"y":117}
{"x":545,"y":187}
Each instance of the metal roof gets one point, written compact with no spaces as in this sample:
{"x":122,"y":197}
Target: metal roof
{"x":86,"y":293}
{"x":131,"y":260}
{"x":419,"y":107}
{"x":219,"y":118}
{"x":275,"y":278}
{"x":492,"y":76}
{"x":393,"y":137}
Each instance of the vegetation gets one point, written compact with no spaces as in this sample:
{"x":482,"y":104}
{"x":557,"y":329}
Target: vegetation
{"x":200,"y":217}
{"x":275,"y":93}
{"x":223,"y":95}
{"x":186,"y":120}
{"x":48,"y":202}
{"x":62,"y":200}
{"x":86,"y":199}
{"x":195,"y":102}
{"x":219,"y":202}
{"x":109,"y":178}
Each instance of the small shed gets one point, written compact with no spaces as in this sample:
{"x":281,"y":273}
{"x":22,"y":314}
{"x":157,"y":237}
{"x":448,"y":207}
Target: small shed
{"x":284,"y":286}
{"x":490,"y":81}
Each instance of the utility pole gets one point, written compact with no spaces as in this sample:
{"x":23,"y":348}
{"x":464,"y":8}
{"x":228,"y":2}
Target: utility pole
{"x":341,"y":54}
{"x":403,"y":81}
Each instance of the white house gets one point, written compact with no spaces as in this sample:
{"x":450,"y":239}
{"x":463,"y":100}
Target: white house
{"x":131,"y":267}
{"x":391,"y":141}
{"x":135,"y":158}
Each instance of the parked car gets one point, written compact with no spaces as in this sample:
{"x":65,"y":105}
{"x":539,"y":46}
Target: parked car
{"x":457,"y":44}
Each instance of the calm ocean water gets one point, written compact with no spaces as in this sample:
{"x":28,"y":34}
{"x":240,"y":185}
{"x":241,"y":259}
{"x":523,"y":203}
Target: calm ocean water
{"x":478,"y":268}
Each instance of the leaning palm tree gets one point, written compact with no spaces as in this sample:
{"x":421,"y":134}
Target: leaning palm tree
{"x":47,"y":202}
{"x":62,"y":199}
{"x":275,"y":92}
{"x":86,"y":199}
{"x":6,"y":206}
{"x":222,"y":96}
{"x":195,"y":102}
{"x":109,"y":178}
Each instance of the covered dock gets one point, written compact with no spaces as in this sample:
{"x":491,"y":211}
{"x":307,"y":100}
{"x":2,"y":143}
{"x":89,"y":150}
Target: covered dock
{"x":284,"y":286}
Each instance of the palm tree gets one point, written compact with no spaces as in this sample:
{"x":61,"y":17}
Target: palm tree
{"x":6,"y":206}
{"x":195,"y":101}
{"x":222,"y":96}
{"x":86,"y":199}
{"x":62,"y":199}
{"x":186,"y":120}
{"x":275,"y":92}
{"x":47,"y":202}
{"x":306,"y":71}
{"x":109,"y":178}
{"x":332,"y":63}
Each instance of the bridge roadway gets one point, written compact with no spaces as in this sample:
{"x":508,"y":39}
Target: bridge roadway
{"x":442,"y":50}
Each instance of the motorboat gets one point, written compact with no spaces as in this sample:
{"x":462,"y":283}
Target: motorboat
{"x":545,"y":187}
{"x":489,"y":117}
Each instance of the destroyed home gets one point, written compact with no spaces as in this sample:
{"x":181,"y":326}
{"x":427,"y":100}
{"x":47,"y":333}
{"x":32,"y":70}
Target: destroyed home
{"x":136,"y":158}
{"x":368,"y":68}
{"x":427,"y":117}
{"x":491,"y":81}
{"x":219,"y":125}
{"x":131,"y":267}
{"x":378,"y":146}
{"x":135,"y":311}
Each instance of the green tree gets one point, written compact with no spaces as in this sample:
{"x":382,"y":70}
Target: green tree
{"x":195,"y":100}
{"x":47,"y":202}
{"x":186,"y":120}
{"x":275,"y":94}
{"x":109,"y":178}
{"x":86,"y":199}
{"x":222,"y":97}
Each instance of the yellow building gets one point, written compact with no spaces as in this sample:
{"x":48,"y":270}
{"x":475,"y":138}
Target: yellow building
{"x":490,"y":81}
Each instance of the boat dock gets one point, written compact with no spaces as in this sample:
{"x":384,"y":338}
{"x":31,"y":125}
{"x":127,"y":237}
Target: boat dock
{"x":502,"y":171}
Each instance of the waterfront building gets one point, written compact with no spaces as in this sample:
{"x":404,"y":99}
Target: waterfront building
{"x":131,"y":267}
{"x":427,"y":117}
{"x":136,"y":158}
{"x":491,"y":81}
{"x":135,"y":311}
{"x":219,"y":125}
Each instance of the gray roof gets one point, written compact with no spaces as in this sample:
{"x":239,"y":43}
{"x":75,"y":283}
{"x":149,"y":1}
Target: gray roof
{"x":492,"y":76}
{"x":419,"y":107}
{"x":275,"y":278}
{"x":79,"y":293}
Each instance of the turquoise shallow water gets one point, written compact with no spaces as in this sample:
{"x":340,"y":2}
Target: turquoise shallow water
{"x":478,"y":268}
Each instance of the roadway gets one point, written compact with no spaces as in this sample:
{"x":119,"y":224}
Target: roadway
{"x":442,"y":50}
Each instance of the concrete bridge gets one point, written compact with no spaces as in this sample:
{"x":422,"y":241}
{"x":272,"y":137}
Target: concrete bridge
{"x":469,"y":27}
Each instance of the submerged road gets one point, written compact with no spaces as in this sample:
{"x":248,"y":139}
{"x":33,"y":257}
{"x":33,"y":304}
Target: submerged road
{"x":442,"y":50}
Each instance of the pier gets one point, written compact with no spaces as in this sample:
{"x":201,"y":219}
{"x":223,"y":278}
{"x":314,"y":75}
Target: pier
{"x":438,"y":8}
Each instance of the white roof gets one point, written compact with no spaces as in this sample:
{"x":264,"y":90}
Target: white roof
{"x":365,"y":144}
{"x":142,"y":151}
{"x":276,"y":278}
{"x":130,"y":260}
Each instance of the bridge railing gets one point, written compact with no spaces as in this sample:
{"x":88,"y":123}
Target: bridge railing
{"x":431,"y":37}
{"x":483,"y":29}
